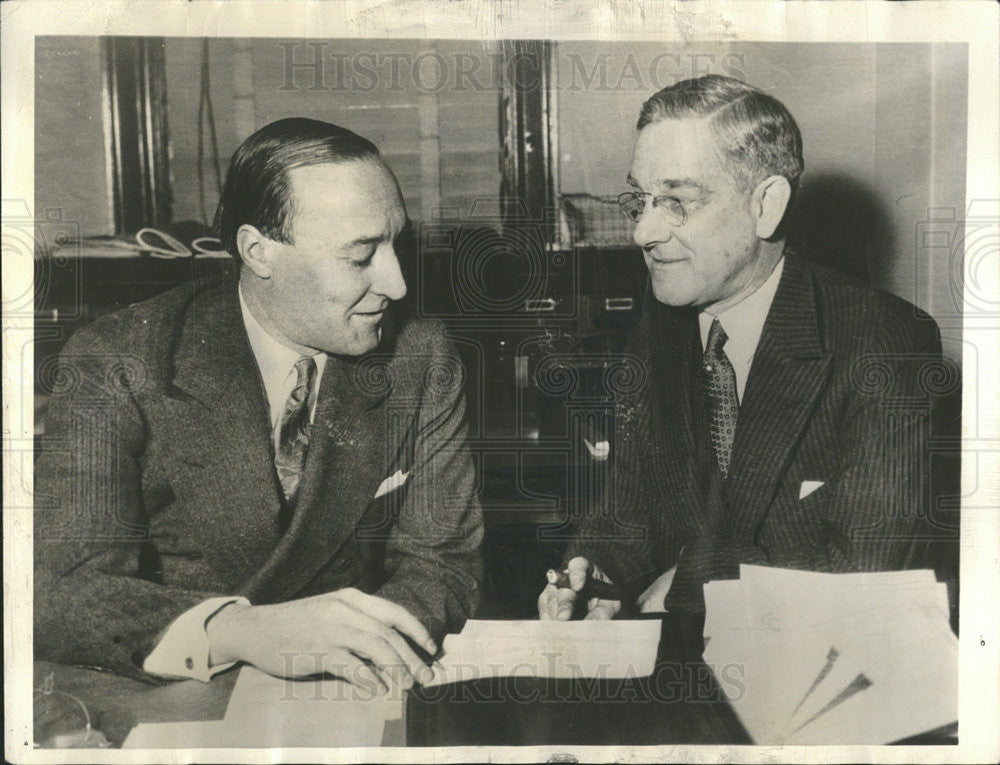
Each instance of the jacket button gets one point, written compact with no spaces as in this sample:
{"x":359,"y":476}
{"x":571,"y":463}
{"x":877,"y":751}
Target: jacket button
{"x":189,"y":663}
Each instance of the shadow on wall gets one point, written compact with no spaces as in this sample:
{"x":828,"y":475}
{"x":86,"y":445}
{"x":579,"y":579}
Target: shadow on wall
{"x":841,"y":223}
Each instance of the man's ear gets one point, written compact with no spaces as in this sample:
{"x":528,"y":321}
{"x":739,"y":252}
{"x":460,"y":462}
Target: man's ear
{"x":256,"y":251}
{"x":770,"y":200}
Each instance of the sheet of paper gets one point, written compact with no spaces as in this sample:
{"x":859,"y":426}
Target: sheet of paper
{"x":833,"y":658}
{"x":271,"y":711}
{"x":729,"y":607}
{"x":910,"y":665}
{"x":266,"y":711}
{"x":592,"y":649}
{"x":170,"y":735}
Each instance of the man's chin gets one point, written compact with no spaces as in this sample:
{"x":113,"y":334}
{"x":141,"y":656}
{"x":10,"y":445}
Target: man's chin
{"x":358,"y":344}
{"x":673,"y":297}
{"x":367,"y":342}
{"x":373,"y":338}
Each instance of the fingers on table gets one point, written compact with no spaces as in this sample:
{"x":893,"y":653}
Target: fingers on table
{"x":393,"y":615}
{"x":602,"y":609}
{"x":565,"y":601}
{"x":547,"y":603}
{"x":355,"y":670}
{"x":578,"y":569}
{"x":556,"y":603}
{"x":385,"y":648}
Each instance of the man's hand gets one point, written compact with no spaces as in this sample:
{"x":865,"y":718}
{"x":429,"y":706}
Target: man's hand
{"x":345,"y":633}
{"x":558,"y":602}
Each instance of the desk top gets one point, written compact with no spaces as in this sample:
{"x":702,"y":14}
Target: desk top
{"x":680,"y":703}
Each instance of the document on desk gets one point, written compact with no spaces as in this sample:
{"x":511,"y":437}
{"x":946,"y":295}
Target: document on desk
{"x":267,"y":712}
{"x":864,"y":658}
{"x":206,"y":734}
{"x":329,"y":712}
{"x":585,"y":649}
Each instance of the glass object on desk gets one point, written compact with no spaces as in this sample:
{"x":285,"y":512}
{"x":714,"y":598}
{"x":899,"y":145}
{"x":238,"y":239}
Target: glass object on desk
{"x":62,"y":721}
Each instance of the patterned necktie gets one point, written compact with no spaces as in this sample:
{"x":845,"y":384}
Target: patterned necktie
{"x":293,"y":436}
{"x":720,"y":391}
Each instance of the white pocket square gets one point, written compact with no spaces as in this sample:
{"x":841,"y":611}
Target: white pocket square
{"x":392,"y":483}
{"x":808,"y":487}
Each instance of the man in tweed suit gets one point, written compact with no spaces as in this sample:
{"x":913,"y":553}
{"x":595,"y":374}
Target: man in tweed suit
{"x":784,"y":417}
{"x":269,"y":468}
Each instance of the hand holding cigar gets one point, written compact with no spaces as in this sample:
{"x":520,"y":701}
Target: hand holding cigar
{"x":579,"y":580}
{"x":592,"y":588}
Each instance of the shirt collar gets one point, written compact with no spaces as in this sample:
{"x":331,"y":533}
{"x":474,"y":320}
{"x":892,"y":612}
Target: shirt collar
{"x":744,"y":321}
{"x":275,"y":360}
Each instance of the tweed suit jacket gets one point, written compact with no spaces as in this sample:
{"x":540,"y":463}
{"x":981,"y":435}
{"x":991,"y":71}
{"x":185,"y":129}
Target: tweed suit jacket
{"x":837,"y":395}
{"x":156,"y":488}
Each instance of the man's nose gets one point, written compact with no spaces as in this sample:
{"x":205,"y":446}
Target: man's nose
{"x":651,"y":227}
{"x":388,"y":279}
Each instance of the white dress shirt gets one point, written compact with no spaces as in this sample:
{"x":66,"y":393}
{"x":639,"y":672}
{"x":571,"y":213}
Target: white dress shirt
{"x":743,"y":324}
{"x":277,"y":368}
{"x":183,"y":651}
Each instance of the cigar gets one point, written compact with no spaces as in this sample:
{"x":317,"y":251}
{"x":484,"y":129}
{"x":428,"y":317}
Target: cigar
{"x":593,"y":588}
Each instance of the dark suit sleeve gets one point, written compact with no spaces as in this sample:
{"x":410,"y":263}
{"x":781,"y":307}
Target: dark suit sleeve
{"x":433,"y":560}
{"x":93,"y":605}
{"x":621,"y":532}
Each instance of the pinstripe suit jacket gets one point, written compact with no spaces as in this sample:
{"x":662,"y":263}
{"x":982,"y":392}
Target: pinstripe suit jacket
{"x":156,"y":488}
{"x":838,"y":393}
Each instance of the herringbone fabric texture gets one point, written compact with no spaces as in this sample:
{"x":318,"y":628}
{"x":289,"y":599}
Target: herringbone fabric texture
{"x":182,"y":447}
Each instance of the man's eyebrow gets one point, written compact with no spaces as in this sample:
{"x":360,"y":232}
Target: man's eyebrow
{"x":364,"y":240}
{"x":361,"y":240}
{"x":672,"y":183}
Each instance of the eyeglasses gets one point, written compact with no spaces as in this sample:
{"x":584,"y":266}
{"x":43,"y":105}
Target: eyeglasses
{"x":634,"y":202}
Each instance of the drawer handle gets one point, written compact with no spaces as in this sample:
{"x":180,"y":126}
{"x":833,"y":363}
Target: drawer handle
{"x":618,"y":304}
{"x":538,"y":305}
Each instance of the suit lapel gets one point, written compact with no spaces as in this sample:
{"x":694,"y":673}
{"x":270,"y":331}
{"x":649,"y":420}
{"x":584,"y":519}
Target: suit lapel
{"x":790,"y":368}
{"x":214,"y":365}
{"x":346,"y":462}
{"x":673,"y":350}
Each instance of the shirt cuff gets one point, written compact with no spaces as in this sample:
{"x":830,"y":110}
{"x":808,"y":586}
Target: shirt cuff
{"x":183,"y":651}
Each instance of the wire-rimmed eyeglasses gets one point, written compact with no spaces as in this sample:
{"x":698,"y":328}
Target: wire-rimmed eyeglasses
{"x":633,"y":203}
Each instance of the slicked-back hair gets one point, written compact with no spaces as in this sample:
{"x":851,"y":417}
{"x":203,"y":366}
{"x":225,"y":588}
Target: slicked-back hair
{"x":257,"y":189}
{"x":756,"y":135}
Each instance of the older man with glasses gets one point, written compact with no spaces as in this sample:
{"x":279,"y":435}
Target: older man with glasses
{"x":757,"y":438}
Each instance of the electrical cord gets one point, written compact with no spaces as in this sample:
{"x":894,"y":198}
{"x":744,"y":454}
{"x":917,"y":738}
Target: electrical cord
{"x":174,"y":248}
{"x":145,"y":243}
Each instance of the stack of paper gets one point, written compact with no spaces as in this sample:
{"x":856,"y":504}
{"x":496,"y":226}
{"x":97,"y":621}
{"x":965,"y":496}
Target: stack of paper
{"x":591,"y":649}
{"x":809,"y":658}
